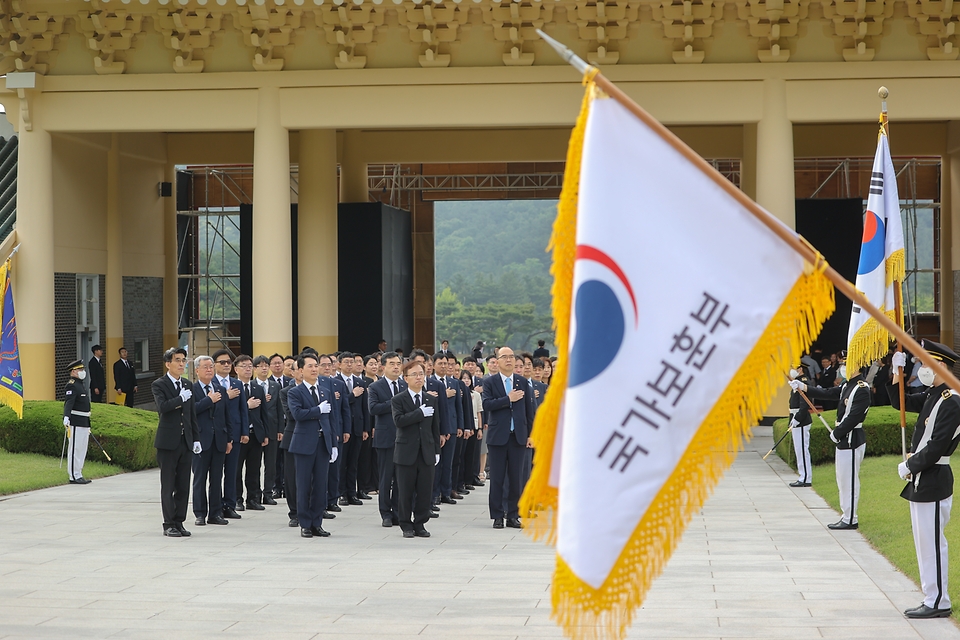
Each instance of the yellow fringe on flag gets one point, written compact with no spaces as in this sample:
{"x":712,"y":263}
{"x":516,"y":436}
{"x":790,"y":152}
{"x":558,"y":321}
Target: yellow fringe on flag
{"x":587,"y":613}
{"x":870,"y":342}
{"x":896,"y":267}
{"x":539,"y":500}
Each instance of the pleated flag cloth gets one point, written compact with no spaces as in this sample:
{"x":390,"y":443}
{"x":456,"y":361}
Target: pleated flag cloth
{"x":678,"y":313}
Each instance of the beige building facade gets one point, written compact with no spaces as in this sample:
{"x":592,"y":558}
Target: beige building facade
{"x":107,"y":98}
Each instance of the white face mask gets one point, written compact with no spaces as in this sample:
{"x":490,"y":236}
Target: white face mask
{"x":793,"y":374}
{"x":926,"y":376}
{"x":843,"y":372}
{"x":81,"y":374}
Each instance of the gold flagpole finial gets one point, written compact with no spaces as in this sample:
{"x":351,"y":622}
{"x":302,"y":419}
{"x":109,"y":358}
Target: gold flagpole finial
{"x":883,"y":93}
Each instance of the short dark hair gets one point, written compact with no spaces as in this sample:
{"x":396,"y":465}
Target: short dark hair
{"x":121,"y":349}
{"x":262,"y":360}
{"x":302,"y":359}
{"x":537,"y":363}
{"x":491,"y":357}
{"x":444,"y":342}
{"x":172,"y":351}
{"x":467,"y":359}
{"x":390,"y":355}
{"x":418,"y":352}
{"x":276,"y":355}
{"x":523,"y":355}
{"x":242,"y":358}
{"x":325,"y":355}
{"x":96,"y":348}
{"x":221,"y":352}
{"x":311,"y":350}
{"x":411,"y":365}
{"x":367,"y":359}
{"x":540,"y":343}
{"x":345,"y":355}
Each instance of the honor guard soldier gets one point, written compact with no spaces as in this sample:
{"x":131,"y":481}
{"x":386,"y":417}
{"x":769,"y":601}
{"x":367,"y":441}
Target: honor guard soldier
{"x":929,"y":476}
{"x":76,"y":420}
{"x":854,"y":402}
{"x":800,"y":422}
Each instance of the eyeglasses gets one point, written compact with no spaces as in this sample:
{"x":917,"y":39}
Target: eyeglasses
{"x":224,"y":362}
{"x":418,"y":374}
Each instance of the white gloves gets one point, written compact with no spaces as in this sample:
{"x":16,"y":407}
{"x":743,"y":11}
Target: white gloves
{"x":197,"y":448}
{"x":325,"y":406}
{"x":66,"y":421}
{"x":899,"y":360}
{"x":834,"y":438}
{"x":427,"y":410}
{"x":796,"y":385}
{"x":903,"y":470}
{"x":794,"y":423}
{"x":186,"y":394}
{"x":437,"y":460}
{"x":335,"y":454}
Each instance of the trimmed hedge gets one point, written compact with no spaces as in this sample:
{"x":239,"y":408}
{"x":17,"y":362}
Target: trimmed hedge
{"x":882,"y":428}
{"x":127,"y":434}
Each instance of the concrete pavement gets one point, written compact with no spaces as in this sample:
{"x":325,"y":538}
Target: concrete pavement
{"x":758,"y":562}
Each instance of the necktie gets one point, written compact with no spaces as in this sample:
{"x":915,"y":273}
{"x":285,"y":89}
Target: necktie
{"x":177,"y":385}
{"x":246,"y":388}
{"x":316,"y":398}
{"x":416,"y":400}
{"x":349,"y":382}
{"x":395,"y":389}
{"x":508,"y":385}
{"x":206,"y":389}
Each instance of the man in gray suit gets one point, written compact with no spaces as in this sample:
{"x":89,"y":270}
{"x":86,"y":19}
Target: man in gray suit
{"x":417,"y":450}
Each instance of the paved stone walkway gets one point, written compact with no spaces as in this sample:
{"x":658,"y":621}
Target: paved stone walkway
{"x":90,"y":561}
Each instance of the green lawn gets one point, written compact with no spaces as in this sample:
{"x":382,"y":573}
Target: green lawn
{"x":884,"y":517}
{"x":28,"y":471}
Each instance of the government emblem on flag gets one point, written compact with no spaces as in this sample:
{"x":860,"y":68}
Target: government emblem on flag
{"x":11,"y":380}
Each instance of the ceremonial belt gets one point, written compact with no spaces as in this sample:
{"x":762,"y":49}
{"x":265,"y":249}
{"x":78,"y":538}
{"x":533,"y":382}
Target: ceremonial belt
{"x":944,"y":460}
{"x":80,"y":413}
{"x":928,"y":427}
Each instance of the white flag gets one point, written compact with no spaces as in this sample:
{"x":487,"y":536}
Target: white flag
{"x":686,"y":311}
{"x":881,"y":266}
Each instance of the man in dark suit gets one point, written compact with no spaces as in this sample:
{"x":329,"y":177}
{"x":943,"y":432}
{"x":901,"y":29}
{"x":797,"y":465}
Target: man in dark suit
{"x":541,"y":350}
{"x":367,"y":370}
{"x":210,"y":408}
{"x":341,"y":421}
{"x":464,"y":434}
{"x":280,"y":369}
{"x":444,"y":350}
{"x":252,"y":439}
{"x":416,"y":452}
{"x":237,"y":419}
{"x":289,"y":463}
{"x":271,"y":413}
{"x":508,"y":401}
{"x":312,"y":442}
{"x":379,"y":396}
{"x":98,"y":376}
{"x":352,"y":436}
{"x":177,"y":436}
{"x":125,"y":378}
{"x":451,"y":422}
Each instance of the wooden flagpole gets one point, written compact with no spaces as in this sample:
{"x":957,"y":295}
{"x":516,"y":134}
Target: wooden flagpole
{"x":790,"y":237}
{"x":884,"y":93}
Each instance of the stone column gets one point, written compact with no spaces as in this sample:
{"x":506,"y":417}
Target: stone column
{"x":33,"y":267}
{"x":748,"y":163}
{"x":272,"y":312}
{"x":114,"y":277}
{"x":950,"y":237}
{"x":171,"y":311}
{"x":317,"y":241}
{"x":353,"y":169}
{"x":775,"y":186}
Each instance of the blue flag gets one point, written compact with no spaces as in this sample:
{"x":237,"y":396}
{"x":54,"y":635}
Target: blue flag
{"x":11,"y":380}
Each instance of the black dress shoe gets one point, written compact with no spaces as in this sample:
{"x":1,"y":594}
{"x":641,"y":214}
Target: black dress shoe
{"x":469,"y":487}
{"x":306,"y":532}
{"x":172,"y":532}
{"x":514,"y":523}
{"x":216,"y":520}
{"x":328,"y":516}
{"x":268,"y":500}
{"x":255,"y":506}
{"x":842,"y":526}
{"x":293,"y":523}
{"x":387,"y":522}
{"x":408,"y":534}
{"x":334,"y":507}
{"x":319,"y":532}
{"x":239,"y":507}
{"x":923,"y":611}
{"x":355,"y":501}
{"x":477,"y":482}
{"x":231,"y":513}
{"x":183,"y":532}
{"x":798,"y":483}
{"x":434,"y":508}
{"x":498,"y":523}
{"x":434,"y":514}
{"x":454,"y":495}
{"x":201,"y":522}
{"x":421,"y":533}
{"x":344,"y":501}
{"x":447,"y":500}
{"x":363,"y":495}
{"x":80,"y":481}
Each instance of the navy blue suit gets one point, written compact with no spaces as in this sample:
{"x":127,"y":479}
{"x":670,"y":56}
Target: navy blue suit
{"x":351,"y":450}
{"x":311,"y":451}
{"x":506,"y":448}
{"x":212,"y":423}
{"x":451,"y":419}
{"x":379,"y":396}
{"x":342,"y":421}
{"x":237,"y":419}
